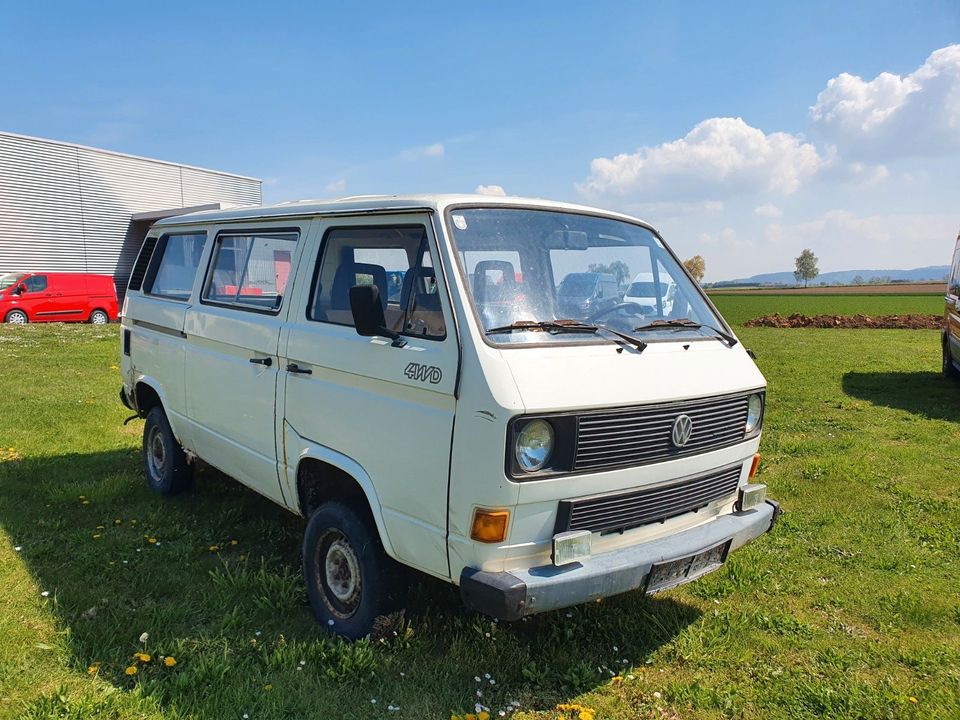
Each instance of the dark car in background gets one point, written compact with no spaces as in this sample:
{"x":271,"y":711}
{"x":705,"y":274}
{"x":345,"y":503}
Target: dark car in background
{"x":583,"y":294}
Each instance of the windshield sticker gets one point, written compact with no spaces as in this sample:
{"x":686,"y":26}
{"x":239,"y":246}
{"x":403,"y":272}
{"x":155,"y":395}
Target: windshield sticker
{"x":459,"y":222}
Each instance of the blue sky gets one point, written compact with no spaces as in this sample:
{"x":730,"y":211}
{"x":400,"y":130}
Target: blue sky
{"x":585,"y":102}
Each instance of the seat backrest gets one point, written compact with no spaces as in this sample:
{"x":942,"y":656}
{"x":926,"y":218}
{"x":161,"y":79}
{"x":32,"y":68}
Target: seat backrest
{"x":505,"y":267}
{"x":346,"y":277}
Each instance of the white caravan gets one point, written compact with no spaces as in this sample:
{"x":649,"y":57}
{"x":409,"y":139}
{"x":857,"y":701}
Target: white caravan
{"x":398,"y":371}
{"x":653,"y":292}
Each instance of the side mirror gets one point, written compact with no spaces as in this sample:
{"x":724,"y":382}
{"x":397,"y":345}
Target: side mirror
{"x":20,"y":289}
{"x":368,"y":314}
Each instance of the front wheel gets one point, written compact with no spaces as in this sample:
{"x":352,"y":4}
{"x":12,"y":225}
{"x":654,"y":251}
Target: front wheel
{"x":949,"y":369}
{"x":17,"y":317}
{"x":350,"y":579}
{"x":164,"y":461}
{"x":99,"y":317}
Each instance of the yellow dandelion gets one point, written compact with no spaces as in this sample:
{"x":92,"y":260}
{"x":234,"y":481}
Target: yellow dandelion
{"x":96,"y":536}
{"x":912,"y":699}
{"x":455,"y":717}
{"x":470,"y":716}
{"x":169,"y":661}
{"x":142,"y":657}
{"x":616,"y":679}
{"x":586,"y":715}
{"x":234,"y":542}
{"x":152,"y":541}
{"x":268,"y":687}
{"x":118,"y":521}
{"x":132,"y":670}
{"x":483,"y":715}
{"x":84,"y":502}
{"x":93,"y":668}
{"x":100,"y":527}
{"x":214,"y":548}
{"x":133,"y":522}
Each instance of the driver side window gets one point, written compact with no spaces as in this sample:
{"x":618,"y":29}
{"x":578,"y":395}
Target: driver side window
{"x":36,"y":283}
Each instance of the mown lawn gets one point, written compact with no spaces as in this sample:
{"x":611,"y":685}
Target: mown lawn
{"x":850,"y":608}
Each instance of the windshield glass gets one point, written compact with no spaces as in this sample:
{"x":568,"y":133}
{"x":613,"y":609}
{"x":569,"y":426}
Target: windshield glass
{"x":8,"y":280}
{"x":541,"y":266}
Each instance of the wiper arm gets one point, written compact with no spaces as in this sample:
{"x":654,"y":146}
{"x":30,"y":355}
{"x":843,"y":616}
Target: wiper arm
{"x":681,"y":323}
{"x":567,"y":326}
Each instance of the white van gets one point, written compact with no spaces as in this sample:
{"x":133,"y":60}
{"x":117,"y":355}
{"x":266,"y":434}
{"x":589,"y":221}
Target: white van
{"x":534,"y":458}
{"x":653,"y":292}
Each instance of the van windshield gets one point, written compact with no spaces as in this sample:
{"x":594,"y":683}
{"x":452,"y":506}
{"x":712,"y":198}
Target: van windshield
{"x":540,"y":266}
{"x":9,"y":279}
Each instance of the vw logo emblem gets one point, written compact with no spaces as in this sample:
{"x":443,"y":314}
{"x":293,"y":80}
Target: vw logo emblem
{"x":682,"y":430}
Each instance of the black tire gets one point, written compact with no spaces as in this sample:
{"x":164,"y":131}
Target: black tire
{"x":350,"y":579}
{"x":949,"y":369}
{"x":17,"y":317}
{"x":99,"y":317}
{"x":164,"y":462}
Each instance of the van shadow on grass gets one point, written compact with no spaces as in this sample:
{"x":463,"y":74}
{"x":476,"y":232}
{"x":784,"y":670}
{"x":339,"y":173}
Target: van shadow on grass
{"x":928,"y":394}
{"x":213,"y":576}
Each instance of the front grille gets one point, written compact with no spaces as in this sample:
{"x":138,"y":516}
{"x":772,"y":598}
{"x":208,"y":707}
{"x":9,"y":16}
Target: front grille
{"x":622,"y":511}
{"x":641,"y":435}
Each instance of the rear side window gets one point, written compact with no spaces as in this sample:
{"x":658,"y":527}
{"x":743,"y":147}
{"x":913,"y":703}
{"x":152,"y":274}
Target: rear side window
{"x":394,"y":258}
{"x":36,"y":283}
{"x":250,"y":271}
{"x":173,"y":266}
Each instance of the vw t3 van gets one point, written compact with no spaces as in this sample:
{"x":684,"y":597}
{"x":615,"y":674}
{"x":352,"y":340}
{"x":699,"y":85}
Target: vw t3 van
{"x":57,"y":297}
{"x":467,"y":424}
{"x":951,"y":320}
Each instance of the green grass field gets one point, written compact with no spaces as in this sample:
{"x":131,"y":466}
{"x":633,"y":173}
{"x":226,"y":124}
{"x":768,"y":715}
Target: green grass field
{"x":850,"y":608}
{"x":737,"y":309}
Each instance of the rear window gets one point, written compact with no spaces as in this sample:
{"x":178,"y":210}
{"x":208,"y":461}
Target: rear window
{"x":173,"y":266}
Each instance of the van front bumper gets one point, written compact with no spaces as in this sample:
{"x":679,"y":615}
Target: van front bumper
{"x":512,"y":595}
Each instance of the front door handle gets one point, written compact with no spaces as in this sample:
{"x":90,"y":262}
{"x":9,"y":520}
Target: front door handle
{"x":294,"y":368}
{"x":262,"y":361}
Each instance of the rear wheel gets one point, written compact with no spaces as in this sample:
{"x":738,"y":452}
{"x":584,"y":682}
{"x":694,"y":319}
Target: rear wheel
{"x":17,"y":317}
{"x":350,"y":579}
{"x":99,"y":317}
{"x":164,"y":461}
{"x":949,"y":369}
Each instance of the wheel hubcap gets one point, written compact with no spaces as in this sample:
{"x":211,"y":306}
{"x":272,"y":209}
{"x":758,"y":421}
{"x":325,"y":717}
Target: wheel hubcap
{"x":99,"y":319}
{"x":156,"y":453}
{"x":341,"y":579}
{"x":18,"y":319}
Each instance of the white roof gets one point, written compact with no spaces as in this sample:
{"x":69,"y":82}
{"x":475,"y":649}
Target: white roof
{"x":359,"y":204}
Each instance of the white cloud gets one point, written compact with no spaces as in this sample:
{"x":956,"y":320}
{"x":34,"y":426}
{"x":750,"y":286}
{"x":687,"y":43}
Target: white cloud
{"x":490,"y":190}
{"x":720,"y":157}
{"x":436,"y":150}
{"x":894,"y":116}
{"x":768,"y":211}
{"x":336,"y":186}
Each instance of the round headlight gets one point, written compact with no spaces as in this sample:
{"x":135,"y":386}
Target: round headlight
{"x":534,"y":445}
{"x":754,"y":412}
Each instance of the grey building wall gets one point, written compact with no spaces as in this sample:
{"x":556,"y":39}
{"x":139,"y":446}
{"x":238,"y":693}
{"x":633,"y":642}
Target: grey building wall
{"x":68,"y":208}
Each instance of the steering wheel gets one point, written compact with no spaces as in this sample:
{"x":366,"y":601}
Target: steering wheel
{"x":637,"y":309}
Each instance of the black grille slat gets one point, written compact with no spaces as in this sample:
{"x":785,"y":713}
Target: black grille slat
{"x":641,"y":507}
{"x":641,"y":435}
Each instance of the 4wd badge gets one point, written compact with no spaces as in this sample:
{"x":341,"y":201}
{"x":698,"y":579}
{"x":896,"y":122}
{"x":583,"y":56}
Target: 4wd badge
{"x":423,"y":373}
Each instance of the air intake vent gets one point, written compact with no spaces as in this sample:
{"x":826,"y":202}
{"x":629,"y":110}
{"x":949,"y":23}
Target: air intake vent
{"x":143,"y":261}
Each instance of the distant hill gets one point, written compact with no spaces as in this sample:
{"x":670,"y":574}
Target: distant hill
{"x":844,"y":277}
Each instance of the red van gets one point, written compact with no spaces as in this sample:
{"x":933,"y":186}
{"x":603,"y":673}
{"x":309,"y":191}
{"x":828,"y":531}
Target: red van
{"x":57,"y":297}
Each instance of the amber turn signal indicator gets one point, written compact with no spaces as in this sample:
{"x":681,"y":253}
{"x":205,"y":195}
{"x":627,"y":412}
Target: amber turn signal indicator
{"x":489,"y":526}
{"x":755,"y":465}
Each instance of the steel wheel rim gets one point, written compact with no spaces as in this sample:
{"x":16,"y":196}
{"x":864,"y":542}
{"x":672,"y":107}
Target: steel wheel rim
{"x":156,"y":454}
{"x":338,"y":574}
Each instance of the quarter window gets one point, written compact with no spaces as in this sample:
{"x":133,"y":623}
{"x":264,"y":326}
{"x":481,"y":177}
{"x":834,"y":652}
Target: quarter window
{"x":251,"y":271}
{"x":395,"y":259}
{"x":174,"y":264}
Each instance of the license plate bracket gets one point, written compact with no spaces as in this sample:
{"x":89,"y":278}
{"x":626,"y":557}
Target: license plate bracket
{"x":670,"y":573}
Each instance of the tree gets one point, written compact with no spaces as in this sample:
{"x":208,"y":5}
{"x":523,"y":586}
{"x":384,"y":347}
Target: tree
{"x":807,"y":268}
{"x":858,"y":280}
{"x":617,"y":268}
{"x":696,"y":266}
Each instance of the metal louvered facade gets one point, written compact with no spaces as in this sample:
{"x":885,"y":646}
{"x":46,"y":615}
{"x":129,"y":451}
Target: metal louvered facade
{"x":69,"y":208}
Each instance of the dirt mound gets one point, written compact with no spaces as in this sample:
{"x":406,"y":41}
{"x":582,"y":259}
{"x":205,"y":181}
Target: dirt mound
{"x":878,"y":322}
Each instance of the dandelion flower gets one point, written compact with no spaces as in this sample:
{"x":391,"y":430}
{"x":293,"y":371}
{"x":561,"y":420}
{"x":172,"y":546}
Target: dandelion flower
{"x":142,"y":657}
{"x":214,"y":548}
{"x":152,"y":541}
{"x":131,"y":670}
{"x":616,"y":679}
{"x":912,"y":699}
{"x":268,"y":687}
{"x":118,"y":521}
{"x":483,"y":715}
{"x":234,"y":542}
{"x":96,"y":536}
{"x":169,"y":661}
{"x":144,"y":637}
{"x":93,"y":668}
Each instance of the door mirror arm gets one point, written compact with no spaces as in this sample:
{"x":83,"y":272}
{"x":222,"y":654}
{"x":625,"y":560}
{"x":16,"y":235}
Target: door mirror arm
{"x":368,"y":316}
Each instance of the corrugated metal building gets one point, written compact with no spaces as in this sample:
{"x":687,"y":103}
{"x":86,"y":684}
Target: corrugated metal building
{"x":70,"y":208}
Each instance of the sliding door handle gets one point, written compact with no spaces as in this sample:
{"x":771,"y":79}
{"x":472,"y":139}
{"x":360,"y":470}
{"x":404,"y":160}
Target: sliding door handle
{"x":294,"y":368}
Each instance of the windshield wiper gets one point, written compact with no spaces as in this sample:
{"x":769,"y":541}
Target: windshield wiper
{"x":567,"y":326}
{"x":682,"y":323}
